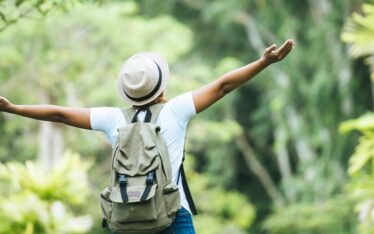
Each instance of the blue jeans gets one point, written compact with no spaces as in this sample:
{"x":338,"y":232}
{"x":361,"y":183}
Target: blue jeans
{"x":181,"y":225}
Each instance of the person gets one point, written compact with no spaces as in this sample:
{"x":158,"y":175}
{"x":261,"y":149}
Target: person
{"x":141,"y":82}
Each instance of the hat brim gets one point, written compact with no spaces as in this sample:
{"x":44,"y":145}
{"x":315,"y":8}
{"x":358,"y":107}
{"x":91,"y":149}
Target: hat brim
{"x":164,"y":67}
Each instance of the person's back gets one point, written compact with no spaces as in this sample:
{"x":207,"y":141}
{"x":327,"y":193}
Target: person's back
{"x":173,"y":120}
{"x":141,"y":197}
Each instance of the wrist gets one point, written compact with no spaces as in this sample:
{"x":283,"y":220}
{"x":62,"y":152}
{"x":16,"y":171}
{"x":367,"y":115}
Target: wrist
{"x":11,"y":108}
{"x":263,"y":62}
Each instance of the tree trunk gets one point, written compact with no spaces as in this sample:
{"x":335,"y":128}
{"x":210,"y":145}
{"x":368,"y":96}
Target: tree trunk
{"x":282,"y":153}
{"x":45,"y":145}
{"x":51,"y":141}
{"x":260,"y":171}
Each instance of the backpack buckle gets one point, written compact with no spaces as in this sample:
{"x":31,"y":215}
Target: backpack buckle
{"x":150,"y":178}
{"x":122,"y":180}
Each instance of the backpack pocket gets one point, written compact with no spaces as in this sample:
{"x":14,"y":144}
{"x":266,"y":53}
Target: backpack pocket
{"x":172,"y":199}
{"x":106,"y":204}
{"x":135,"y":209}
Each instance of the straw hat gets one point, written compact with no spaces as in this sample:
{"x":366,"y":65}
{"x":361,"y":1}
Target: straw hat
{"x":142,"y":78}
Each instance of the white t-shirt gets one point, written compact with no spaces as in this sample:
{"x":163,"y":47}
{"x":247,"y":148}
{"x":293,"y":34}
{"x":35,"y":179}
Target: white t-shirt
{"x":173,"y":120}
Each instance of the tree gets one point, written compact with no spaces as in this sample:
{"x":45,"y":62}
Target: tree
{"x":65,"y":58}
{"x":11,"y":11}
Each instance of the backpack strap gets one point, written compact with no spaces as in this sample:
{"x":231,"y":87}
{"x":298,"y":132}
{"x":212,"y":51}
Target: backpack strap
{"x":186,"y":189}
{"x":149,"y":183}
{"x":127,"y":113}
{"x":155,"y":110}
{"x":152,"y":113}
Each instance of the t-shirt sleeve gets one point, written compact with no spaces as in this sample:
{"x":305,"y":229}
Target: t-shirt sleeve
{"x":106,"y":120}
{"x":183,"y":108}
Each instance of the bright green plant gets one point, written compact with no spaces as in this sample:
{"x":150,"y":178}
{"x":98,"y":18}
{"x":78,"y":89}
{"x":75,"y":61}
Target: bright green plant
{"x":37,"y":201}
{"x":359,"y":31}
{"x":361,"y":170}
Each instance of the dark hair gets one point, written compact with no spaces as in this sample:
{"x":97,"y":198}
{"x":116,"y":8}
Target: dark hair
{"x":160,"y":99}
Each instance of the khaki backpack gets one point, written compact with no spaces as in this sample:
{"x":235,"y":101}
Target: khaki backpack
{"x":141,"y":197}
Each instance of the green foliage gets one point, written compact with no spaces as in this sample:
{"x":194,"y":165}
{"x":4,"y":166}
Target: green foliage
{"x":221,"y":210}
{"x":364,"y":152}
{"x":331,"y":216}
{"x":314,"y":186}
{"x":37,"y":201}
{"x":224,"y":132}
{"x":359,"y":32}
{"x":69,"y":175}
{"x":13,"y":10}
{"x":361,"y":169}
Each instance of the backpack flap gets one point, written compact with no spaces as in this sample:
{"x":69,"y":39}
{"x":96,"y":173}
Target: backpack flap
{"x":135,"y":193}
{"x":137,"y":152}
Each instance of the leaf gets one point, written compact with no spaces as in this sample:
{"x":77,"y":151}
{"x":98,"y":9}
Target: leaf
{"x":364,"y":123}
{"x":19,"y":3}
{"x":363,"y":153}
{"x":3,"y":17}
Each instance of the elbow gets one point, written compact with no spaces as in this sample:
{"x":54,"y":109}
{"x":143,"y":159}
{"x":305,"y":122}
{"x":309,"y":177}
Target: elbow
{"x":58,"y":118}
{"x":61,"y":115}
{"x":224,"y":89}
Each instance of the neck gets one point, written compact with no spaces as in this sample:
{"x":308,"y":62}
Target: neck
{"x":144,"y":106}
{"x":158,"y":100}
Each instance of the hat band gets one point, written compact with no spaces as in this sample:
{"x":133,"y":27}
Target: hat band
{"x":158,"y":85}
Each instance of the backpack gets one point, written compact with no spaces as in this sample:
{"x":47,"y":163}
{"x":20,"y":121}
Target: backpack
{"x":141,"y":197}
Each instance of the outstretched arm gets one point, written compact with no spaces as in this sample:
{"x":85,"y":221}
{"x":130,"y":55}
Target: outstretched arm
{"x":77,"y":117}
{"x":211,"y":93}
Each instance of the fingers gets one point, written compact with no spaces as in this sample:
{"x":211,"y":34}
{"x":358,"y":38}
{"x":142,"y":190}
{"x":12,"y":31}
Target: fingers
{"x":286,"y":51}
{"x":270,"y":49}
{"x":283,"y":47}
{"x":272,"y":54}
{"x":288,"y":44}
{"x":3,"y":100}
{"x":284,"y":54}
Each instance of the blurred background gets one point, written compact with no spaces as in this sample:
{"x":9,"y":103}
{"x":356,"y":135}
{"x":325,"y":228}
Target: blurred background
{"x":290,"y":152}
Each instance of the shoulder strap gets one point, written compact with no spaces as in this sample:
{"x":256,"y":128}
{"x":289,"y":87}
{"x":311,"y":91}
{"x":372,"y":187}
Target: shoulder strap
{"x":127,"y":113}
{"x":186,"y":190}
{"x":155,"y":110}
{"x":152,"y":113}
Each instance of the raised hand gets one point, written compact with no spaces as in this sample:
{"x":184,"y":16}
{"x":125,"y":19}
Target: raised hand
{"x":273,"y":55}
{"x":4,"y":104}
